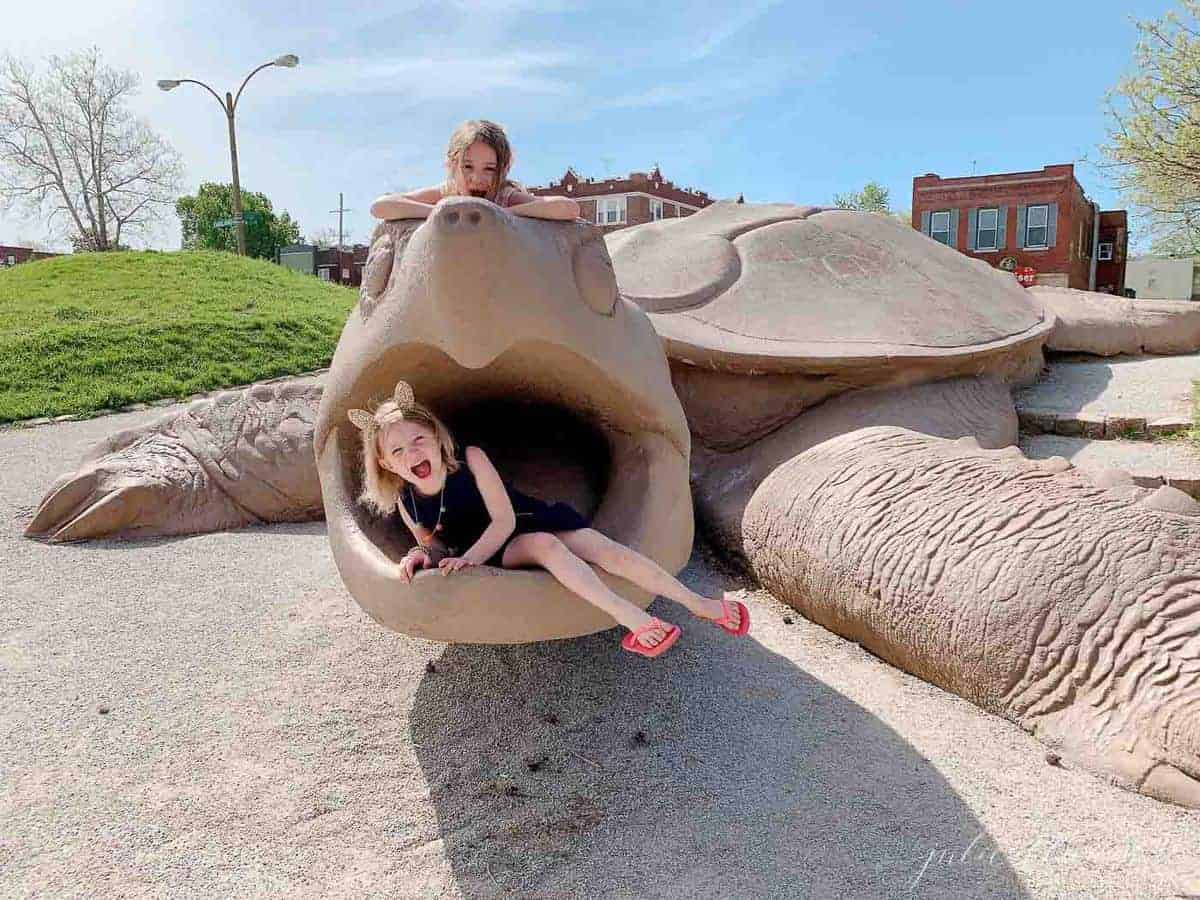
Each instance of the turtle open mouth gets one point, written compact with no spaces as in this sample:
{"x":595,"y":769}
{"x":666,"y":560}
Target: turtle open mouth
{"x":550,"y":433}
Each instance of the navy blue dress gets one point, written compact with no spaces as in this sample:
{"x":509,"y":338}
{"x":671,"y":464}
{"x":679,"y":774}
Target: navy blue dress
{"x":464,"y":515}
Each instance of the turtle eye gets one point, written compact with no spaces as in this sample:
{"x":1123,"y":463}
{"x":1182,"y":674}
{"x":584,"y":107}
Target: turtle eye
{"x":594,"y":274}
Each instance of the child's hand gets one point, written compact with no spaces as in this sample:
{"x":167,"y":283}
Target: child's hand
{"x":453,"y":564}
{"x":416,"y":559}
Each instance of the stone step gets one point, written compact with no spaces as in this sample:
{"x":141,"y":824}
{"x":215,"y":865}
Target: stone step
{"x":1176,"y":463}
{"x":1049,"y":421}
{"x":1124,"y":397}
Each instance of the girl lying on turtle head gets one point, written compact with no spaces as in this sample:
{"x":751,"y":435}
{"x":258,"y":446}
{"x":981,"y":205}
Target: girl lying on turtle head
{"x":411,"y":464}
{"x":477,"y":164}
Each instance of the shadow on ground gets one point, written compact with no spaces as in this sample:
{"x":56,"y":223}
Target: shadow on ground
{"x":717,"y":770}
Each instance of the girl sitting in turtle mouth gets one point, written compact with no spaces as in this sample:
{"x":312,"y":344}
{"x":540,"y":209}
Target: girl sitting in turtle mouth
{"x":461,"y":505}
{"x":477,"y":164}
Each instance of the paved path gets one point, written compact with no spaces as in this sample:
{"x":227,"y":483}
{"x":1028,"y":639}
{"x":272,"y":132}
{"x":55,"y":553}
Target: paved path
{"x":1150,"y":464}
{"x":212,"y":716}
{"x":1105,"y":398}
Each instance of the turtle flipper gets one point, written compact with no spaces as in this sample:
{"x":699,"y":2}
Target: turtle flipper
{"x":241,"y":458}
{"x":1065,"y":603}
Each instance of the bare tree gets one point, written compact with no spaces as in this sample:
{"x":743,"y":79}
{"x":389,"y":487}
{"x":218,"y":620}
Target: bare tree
{"x":324,"y":237}
{"x":71,"y":151}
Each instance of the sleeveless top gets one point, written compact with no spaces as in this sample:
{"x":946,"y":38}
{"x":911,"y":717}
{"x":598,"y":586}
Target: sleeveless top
{"x":464,"y":516}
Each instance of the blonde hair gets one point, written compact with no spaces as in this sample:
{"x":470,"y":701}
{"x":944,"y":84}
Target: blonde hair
{"x":381,"y":487}
{"x":485,"y":132}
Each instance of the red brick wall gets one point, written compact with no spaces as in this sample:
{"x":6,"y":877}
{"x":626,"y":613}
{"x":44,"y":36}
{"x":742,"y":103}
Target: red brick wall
{"x":21,"y":254}
{"x":1069,"y":258}
{"x":637,"y":208}
{"x":1114,"y":228}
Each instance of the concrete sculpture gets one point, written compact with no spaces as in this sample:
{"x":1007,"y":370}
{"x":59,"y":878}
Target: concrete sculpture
{"x":1104,"y":325}
{"x":846,"y":385}
{"x":480,"y":308}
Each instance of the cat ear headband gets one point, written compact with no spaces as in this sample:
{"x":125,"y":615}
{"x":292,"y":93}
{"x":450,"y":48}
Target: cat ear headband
{"x":402,"y":397}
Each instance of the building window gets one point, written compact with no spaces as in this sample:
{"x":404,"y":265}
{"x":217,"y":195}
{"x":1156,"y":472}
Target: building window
{"x":610,"y":210}
{"x":12,"y":260}
{"x":323,"y":273}
{"x":986,"y":229}
{"x":1106,"y":252}
{"x":1036,"y":219}
{"x":656,"y":210}
{"x":939,"y":226}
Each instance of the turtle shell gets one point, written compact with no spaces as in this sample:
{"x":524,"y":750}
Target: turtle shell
{"x":759,"y":288}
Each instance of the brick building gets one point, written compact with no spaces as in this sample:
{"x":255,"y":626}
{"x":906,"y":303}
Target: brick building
{"x":11,"y":256}
{"x":1042,"y":220}
{"x":617,"y":203}
{"x":342,"y":265}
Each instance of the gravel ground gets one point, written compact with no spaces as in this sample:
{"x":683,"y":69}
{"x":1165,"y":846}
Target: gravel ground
{"x":213,"y":716}
{"x":1150,"y":387}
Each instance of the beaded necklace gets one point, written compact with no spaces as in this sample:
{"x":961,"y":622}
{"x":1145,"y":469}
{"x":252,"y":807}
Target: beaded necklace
{"x":441,"y":507}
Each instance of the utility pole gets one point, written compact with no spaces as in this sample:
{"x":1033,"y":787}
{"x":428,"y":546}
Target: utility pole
{"x":341,"y":210}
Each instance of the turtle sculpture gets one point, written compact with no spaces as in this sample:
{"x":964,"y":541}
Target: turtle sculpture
{"x":849,"y":434}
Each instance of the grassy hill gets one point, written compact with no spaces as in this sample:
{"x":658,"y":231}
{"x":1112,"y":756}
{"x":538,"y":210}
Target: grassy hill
{"x":99,"y":330}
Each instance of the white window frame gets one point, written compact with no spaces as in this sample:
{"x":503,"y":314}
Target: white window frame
{"x":1045,"y":226}
{"x":994,"y":229}
{"x":933,"y":217}
{"x":12,"y":259}
{"x":1102,"y":255}
{"x":656,"y":210}
{"x":611,"y":210}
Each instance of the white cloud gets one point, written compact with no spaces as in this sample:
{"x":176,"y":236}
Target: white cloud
{"x":741,"y":19}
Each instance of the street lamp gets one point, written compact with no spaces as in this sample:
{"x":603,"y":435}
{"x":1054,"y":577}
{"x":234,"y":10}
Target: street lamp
{"x":229,"y":105}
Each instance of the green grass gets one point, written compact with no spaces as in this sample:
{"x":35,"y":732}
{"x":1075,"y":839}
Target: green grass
{"x":92,"y":331}
{"x":1194,"y":434}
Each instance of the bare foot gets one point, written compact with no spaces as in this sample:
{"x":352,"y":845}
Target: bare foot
{"x":652,"y":637}
{"x":711,"y":609}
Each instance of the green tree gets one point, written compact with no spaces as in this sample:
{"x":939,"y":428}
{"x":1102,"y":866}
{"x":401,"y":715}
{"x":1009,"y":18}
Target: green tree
{"x":872,"y":198}
{"x":198,"y":214}
{"x":1153,"y":147}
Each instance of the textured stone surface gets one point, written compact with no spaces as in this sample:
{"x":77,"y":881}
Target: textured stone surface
{"x":240,"y":458}
{"x":1069,"y":608}
{"x":778,"y":288}
{"x":1150,"y":463}
{"x":976,"y":408}
{"x":1105,"y":325}
{"x":503,"y":323}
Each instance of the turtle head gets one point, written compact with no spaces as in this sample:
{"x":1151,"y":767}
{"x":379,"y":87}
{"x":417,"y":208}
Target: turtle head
{"x":511,"y":329}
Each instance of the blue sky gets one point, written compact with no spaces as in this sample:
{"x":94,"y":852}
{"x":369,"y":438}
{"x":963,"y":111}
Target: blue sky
{"x":780,"y":101}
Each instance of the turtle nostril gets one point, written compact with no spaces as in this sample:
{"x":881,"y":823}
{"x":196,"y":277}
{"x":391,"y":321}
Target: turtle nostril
{"x":452,"y":218}
{"x":474,"y":217}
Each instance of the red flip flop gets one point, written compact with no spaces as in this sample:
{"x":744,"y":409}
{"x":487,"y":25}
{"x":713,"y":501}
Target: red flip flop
{"x":630,"y":641}
{"x":726,"y":620}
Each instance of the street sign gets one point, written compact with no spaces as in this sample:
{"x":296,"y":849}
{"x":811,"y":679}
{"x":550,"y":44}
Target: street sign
{"x":250,"y":218}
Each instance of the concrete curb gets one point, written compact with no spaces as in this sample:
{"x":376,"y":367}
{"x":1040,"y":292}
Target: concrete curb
{"x":166,"y":401}
{"x":1109,"y":428}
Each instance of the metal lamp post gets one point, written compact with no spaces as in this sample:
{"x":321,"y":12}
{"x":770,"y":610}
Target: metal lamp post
{"x":229,"y":105}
